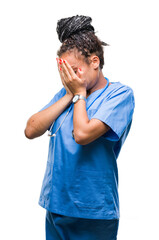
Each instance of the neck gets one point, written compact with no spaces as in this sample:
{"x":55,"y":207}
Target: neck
{"x":99,"y":83}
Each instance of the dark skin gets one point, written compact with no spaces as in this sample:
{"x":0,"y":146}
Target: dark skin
{"x":84,"y":81}
{"x":88,"y":80}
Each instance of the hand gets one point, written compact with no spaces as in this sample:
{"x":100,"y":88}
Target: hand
{"x":77,"y":85}
{"x":62,"y":79}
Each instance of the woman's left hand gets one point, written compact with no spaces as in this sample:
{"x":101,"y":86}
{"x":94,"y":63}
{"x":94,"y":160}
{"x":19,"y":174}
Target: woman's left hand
{"x":76,"y":84}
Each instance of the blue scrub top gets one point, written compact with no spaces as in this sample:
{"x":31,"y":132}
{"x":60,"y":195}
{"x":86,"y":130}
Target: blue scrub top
{"x":82,"y":180}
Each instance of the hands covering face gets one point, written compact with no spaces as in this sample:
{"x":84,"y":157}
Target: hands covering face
{"x":72,"y":81}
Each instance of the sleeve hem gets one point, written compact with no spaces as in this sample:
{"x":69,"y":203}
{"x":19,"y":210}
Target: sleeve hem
{"x":111,"y":135}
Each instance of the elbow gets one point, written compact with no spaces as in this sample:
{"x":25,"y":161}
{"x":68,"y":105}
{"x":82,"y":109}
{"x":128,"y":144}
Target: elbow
{"x":30,"y":130}
{"x":29,"y":133}
{"x":79,"y":138}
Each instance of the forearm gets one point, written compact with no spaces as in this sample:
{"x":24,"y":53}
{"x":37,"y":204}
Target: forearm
{"x":40,"y":122}
{"x":80,"y":119}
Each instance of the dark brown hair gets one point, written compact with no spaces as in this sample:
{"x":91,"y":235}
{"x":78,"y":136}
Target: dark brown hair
{"x":77,"y":33}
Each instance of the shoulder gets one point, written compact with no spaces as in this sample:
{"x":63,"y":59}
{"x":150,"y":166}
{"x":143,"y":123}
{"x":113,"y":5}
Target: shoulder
{"x":118,"y":89}
{"x":117,"y":95}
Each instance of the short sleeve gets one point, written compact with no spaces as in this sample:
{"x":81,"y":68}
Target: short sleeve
{"x":56,"y":97}
{"x":117,"y":111}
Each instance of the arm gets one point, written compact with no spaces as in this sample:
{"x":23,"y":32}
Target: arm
{"x":85,"y":130}
{"x":38,"y":123}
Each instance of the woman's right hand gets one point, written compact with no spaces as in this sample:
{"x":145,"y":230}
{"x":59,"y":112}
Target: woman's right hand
{"x":68,"y":91}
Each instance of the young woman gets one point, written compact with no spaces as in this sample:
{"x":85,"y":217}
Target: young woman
{"x":89,"y":120}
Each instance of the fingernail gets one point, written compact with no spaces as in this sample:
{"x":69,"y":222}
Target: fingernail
{"x":60,"y":69}
{"x":64,"y":61}
{"x":80,"y":69}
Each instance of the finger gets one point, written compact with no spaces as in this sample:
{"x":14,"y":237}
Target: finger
{"x":65,"y":71}
{"x":69,"y":69}
{"x":60,"y":71}
{"x":80,"y":72}
{"x":57,"y":63}
{"x":59,"y":68}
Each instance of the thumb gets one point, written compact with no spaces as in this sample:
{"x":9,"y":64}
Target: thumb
{"x":80,"y":72}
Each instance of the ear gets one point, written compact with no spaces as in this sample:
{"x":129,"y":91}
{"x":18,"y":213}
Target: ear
{"x":95,"y":61}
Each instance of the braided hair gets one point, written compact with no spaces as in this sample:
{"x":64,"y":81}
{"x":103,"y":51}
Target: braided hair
{"x":77,"y":33}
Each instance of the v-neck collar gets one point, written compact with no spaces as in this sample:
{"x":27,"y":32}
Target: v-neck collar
{"x":98,"y":90}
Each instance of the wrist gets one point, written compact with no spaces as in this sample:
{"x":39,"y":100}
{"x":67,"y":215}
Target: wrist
{"x":69,"y":96}
{"x":81,"y":93}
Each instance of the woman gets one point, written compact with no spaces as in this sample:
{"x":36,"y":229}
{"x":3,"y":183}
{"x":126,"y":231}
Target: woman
{"x":89,"y":120}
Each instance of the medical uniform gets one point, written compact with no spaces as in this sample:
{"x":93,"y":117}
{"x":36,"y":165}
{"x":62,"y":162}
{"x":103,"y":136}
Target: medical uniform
{"x":81,"y":181}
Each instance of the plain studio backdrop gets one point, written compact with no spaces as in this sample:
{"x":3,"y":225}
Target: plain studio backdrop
{"x":29,"y":79}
